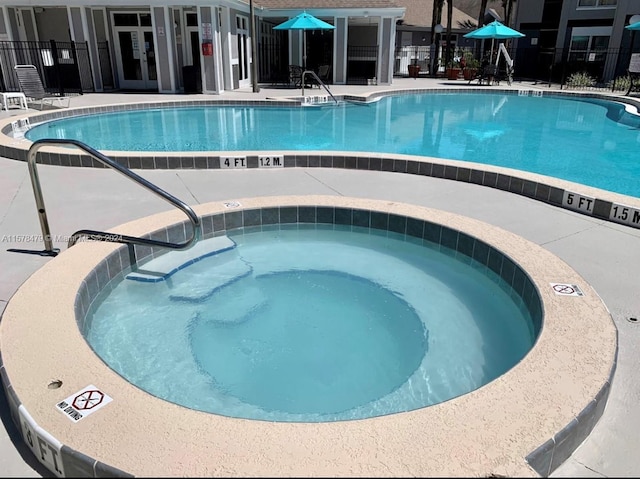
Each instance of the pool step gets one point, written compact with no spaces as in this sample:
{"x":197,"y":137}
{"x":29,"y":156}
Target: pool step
{"x":217,"y":277}
{"x":231,"y":307}
{"x":162,"y":267}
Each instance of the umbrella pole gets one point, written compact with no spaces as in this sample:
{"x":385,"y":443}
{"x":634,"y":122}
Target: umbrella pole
{"x":304,"y":50}
{"x":304,"y":58}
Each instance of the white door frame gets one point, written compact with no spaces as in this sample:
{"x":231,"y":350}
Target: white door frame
{"x":244,"y":50}
{"x":145,"y":83}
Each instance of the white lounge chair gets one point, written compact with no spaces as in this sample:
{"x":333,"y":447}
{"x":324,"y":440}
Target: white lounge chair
{"x":31,"y":86}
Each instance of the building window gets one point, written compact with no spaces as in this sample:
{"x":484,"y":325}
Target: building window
{"x":192,"y":19}
{"x":588,"y":49}
{"x":131,"y":19}
{"x":597,"y":3}
{"x":125,"y":19}
{"x":145,"y":20}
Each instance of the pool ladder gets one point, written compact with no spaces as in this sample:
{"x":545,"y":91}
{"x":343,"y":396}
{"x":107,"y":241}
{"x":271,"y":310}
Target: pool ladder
{"x":102,"y":235}
{"x":320,"y":82}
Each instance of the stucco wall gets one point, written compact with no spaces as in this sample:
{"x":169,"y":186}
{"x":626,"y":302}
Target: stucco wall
{"x":53,"y":24}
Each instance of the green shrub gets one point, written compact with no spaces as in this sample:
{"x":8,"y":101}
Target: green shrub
{"x":580,"y":80}
{"x":470,"y":60}
{"x":621,"y":83}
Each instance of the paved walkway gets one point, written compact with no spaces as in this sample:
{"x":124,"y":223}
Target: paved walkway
{"x":607,"y":255}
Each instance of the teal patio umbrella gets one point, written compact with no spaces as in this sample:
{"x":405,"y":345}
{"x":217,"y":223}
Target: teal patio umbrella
{"x":494,"y":30}
{"x":633,"y":26}
{"x":304,"y":21}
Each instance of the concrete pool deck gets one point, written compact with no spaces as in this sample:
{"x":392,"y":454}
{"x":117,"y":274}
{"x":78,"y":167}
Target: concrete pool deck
{"x":604,"y":253}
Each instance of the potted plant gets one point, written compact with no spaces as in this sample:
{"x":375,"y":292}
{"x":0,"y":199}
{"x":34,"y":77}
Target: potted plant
{"x":453,"y":69}
{"x":414,"y":68}
{"x":470,"y":66}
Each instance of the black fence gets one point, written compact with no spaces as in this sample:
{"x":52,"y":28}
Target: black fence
{"x":604,"y":69}
{"x":412,"y":55}
{"x":361,"y":64}
{"x":421,"y":56}
{"x":273,"y":64}
{"x":64,"y":67}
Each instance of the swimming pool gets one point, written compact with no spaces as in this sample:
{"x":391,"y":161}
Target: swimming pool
{"x":589,"y":141}
{"x":313,"y":323}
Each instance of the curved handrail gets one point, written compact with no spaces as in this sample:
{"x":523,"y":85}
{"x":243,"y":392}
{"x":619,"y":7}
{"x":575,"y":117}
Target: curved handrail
{"x":102,"y":235}
{"x":320,"y":82}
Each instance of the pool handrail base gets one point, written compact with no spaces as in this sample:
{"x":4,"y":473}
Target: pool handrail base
{"x":102,"y":235}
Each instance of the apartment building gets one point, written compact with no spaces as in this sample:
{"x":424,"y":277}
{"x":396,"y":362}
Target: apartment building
{"x":153,"y":45}
{"x":584,"y":35}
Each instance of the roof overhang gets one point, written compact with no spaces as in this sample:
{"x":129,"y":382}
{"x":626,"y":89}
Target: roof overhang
{"x":333,"y":12}
{"x":393,"y":12}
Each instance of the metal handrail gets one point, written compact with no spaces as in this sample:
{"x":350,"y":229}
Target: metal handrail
{"x":101,"y":235}
{"x":320,"y":82}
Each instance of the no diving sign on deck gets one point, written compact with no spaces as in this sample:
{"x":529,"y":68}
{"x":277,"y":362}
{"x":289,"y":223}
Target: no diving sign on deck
{"x":564,"y":289}
{"x":84,"y":402}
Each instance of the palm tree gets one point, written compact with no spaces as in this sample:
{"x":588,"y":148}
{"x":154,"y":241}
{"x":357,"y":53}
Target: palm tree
{"x":483,"y":9}
{"x":448,"y":55}
{"x":507,"y":6}
{"x":468,"y":25}
{"x":436,"y":18}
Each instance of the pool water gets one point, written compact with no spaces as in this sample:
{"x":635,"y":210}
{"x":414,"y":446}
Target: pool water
{"x":313,"y":323}
{"x":589,"y":141}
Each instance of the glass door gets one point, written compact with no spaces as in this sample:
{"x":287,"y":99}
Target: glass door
{"x":135,"y":51}
{"x":149,"y":59}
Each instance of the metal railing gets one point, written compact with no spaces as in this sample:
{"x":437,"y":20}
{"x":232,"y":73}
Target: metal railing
{"x":101,"y":235}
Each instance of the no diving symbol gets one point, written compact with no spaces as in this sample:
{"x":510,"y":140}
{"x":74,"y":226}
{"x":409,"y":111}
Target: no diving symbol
{"x":88,"y":400}
{"x":563,"y":289}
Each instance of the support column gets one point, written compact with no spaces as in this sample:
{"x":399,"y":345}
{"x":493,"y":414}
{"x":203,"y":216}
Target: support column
{"x":170,"y":40}
{"x":387,"y":42}
{"x":88,"y":33}
{"x":163,"y":61}
{"x":208,"y":27}
{"x":225,"y":50}
{"x":340,"y":35}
